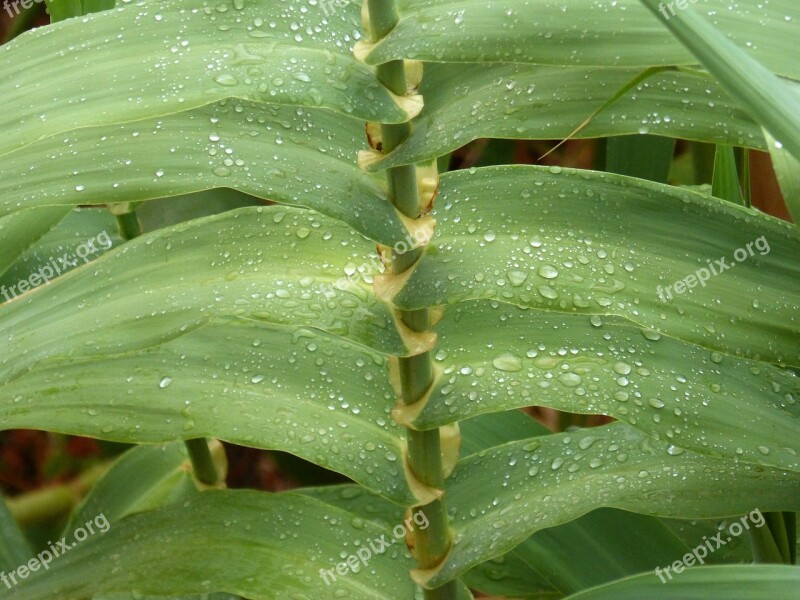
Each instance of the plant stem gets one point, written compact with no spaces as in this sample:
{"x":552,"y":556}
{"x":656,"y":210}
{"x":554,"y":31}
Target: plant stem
{"x":765,"y":543}
{"x":202,"y":463}
{"x":432,"y":544}
{"x":790,"y":521}
{"x":129,"y":226}
{"x":777,"y":527}
{"x":55,"y":501}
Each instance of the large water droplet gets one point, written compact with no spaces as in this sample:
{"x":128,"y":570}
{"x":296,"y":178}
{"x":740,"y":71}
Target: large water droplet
{"x":507,"y":362}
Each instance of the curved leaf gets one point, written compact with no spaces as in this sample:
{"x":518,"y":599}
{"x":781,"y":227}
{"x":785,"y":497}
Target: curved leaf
{"x":787,"y":170}
{"x":544,"y":102}
{"x":81,"y":236}
{"x":315,"y":396}
{"x":751,"y":582}
{"x":21,"y":230}
{"x":273,"y":265}
{"x":579,"y":32}
{"x":14,"y":548}
{"x":766,"y":97}
{"x":264,"y":151}
{"x":139,"y":480}
{"x":550,"y":480}
{"x":599,"y":244}
{"x":590,"y":550}
{"x":260,"y":546}
{"x":270,"y":51}
{"x":496,"y":357}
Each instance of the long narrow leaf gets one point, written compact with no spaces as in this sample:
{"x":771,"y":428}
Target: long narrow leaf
{"x":770,"y":101}
{"x":599,"y":244}
{"x":550,"y":480}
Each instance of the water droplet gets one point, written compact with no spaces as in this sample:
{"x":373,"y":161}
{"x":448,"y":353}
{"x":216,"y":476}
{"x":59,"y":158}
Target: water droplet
{"x":570,"y":379}
{"x":226,"y":79}
{"x":548,"y":271}
{"x":622,"y":368}
{"x":651,"y":335}
{"x":517,"y":278}
{"x":507,"y":362}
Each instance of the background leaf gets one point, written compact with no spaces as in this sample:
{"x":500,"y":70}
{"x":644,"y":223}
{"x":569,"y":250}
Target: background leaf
{"x":752,"y":582}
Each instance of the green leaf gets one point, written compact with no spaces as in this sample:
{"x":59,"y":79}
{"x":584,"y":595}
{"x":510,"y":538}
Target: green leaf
{"x":647,"y":157}
{"x":316,"y":396}
{"x":82,"y":236}
{"x":272,"y":265}
{"x":141,"y":479}
{"x":63,"y":9}
{"x":751,"y":582}
{"x":787,"y":169}
{"x":373,"y":509}
{"x":550,"y":480}
{"x":726,"y":178}
{"x":596,"y":548}
{"x":21,"y":230}
{"x":281,"y":153}
{"x":93,"y":6}
{"x":579,"y":32}
{"x":491,"y":430}
{"x":768,"y":99}
{"x":166,"y":212}
{"x":683,"y":394}
{"x":266,"y":51}
{"x":598,"y":244}
{"x":260,"y":546}
{"x":14,"y":548}
{"x":545,"y":102}
{"x":127,"y":596}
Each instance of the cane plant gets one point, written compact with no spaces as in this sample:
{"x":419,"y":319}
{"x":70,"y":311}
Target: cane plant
{"x":385,"y":318}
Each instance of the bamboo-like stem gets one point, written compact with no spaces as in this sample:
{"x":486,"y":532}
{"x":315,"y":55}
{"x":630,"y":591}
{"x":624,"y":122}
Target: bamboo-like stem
{"x":777,"y":527}
{"x":763,"y":546}
{"x":202,"y":462}
{"x":790,"y":522}
{"x":129,"y":226}
{"x":55,"y":501}
{"x":432,"y":544}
